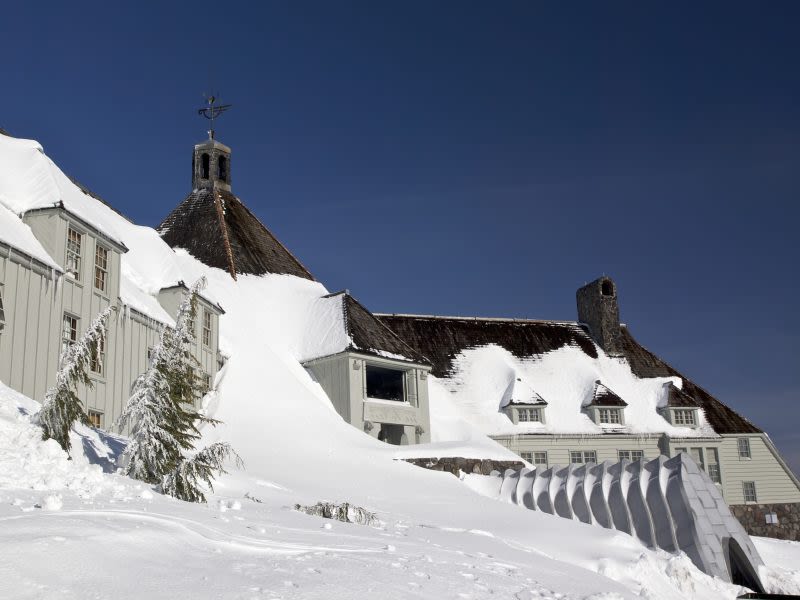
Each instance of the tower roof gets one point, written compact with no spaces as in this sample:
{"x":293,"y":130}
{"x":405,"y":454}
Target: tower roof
{"x":217,"y":228}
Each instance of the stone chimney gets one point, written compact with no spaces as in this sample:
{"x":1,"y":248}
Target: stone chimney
{"x":598,"y":309}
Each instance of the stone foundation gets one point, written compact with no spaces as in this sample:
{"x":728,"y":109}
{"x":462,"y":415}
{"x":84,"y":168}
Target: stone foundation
{"x":753,"y":518}
{"x":468,"y":465}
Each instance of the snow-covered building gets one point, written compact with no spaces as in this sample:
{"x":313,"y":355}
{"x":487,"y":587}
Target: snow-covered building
{"x":586,"y":391}
{"x":374,"y":380}
{"x":60,"y":266}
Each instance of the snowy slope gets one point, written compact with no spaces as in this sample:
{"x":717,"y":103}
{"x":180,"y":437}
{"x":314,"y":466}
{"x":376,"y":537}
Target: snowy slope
{"x":73,"y":529}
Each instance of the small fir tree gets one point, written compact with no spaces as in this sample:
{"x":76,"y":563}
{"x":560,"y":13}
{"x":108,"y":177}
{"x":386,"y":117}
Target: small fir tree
{"x":162,"y":419}
{"x":62,"y":407}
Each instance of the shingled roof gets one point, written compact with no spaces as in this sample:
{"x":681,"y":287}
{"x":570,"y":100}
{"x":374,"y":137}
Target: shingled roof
{"x":677,"y":398}
{"x":441,"y":339}
{"x":370,"y":335}
{"x":604,"y":396}
{"x":206,"y":226}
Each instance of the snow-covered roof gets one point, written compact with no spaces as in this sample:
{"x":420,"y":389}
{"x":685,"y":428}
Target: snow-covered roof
{"x":133,"y":297}
{"x":29,"y":181}
{"x":356,"y":329}
{"x":604,"y":396}
{"x":478,"y":359}
{"x":15,"y":233}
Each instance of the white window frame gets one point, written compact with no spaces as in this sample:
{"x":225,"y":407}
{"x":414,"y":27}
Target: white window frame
{"x":207,"y":328}
{"x":749,"y":492}
{"x":744,"y":448}
{"x":97,"y":361}
{"x":101,"y":272}
{"x":712,"y":465}
{"x":73,"y":256}
{"x":95,"y":413}
{"x":540,"y":458}
{"x":68,"y":340}
{"x":531,"y":414}
{"x":583,"y":456}
{"x":684,"y":417}
{"x":631,"y":455}
{"x":607,"y":418}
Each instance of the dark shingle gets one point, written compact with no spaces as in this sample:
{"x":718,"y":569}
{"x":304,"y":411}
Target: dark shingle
{"x":195,"y":226}
{"x":604,"y":396}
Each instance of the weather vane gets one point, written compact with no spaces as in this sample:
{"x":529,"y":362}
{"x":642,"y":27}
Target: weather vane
{"x":213,"y":111}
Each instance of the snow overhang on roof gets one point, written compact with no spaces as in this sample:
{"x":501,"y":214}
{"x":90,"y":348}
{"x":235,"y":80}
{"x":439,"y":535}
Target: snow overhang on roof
{"x":212,"y":303}
{"x":17,"y":235}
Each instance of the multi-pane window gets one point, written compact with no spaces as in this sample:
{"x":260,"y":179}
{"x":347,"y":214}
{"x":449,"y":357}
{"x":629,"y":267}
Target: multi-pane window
{"x":697,"y":456}
{"x":539,"y":458}
{"x":69,"y":332}
{"x":771,"y":518}
{"x":206,"y":383}
{"x":529,"y":415}
{"x":713,"y":465}
{"x":744,"y":448}
{"x":100,"y":268}
{"x":610,"y":416}
{"x":74,"y":240}
{"x":98,"y":358}
{"x":206,"y":328}
{"x":630,"y":454}
{"x":749,"y":491}
{"x":96,"y":418}
{"x":583,"y":456}
{"x":685,"y":418}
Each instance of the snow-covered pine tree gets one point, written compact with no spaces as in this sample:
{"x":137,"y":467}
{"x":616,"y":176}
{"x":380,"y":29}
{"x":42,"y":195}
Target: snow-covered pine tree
{"x":162,"y":418}
{"x":184,"y":481}
{"x":62,"y":407}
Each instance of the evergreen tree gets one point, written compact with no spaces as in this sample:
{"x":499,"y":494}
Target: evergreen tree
{"x":184,"y":481}
{"x":62,"y":407}
{"x":162,"y":419}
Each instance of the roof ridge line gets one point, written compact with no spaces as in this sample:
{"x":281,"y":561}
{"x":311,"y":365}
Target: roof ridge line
{"x":224,"y":227}
{"x":465,"y":318}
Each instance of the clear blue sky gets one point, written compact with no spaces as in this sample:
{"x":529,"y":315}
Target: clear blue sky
{"x":467,"y":158}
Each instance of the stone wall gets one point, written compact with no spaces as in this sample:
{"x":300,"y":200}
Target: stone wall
{"x":455,"y":464}
{"x":753,"y":518}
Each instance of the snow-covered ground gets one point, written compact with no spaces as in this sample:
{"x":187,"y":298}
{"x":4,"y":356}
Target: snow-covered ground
{"x":75,"y":529}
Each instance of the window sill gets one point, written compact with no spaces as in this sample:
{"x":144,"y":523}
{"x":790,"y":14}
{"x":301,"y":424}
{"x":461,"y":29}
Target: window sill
{"x":389,"y":402}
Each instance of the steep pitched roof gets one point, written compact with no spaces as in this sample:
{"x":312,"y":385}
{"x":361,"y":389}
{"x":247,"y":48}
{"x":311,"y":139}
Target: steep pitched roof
{"x":677,"y":398}
{"x":603,"y":396}
{"x":208,"y":227}
{"x":441,"y":339}
{"x":370,"y":335}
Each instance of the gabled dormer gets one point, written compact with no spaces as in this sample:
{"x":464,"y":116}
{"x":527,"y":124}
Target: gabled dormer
{"x":522,"y":404}
{"x":606,"y":408}
{"x":681,"y":410}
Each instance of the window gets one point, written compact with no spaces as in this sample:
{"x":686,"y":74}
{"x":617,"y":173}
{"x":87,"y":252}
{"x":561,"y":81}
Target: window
{"x":98,"y":358}
{"x":630,"y":454}
{"x":683,"y":417}
{"x":74,"y":253}
{"x":385,"y":384}
{"x":744,"y":448}
{"x":529,"y":415}
{"x":206,"y":328}
{"x":205,"y":385}
{"x":583,"y":456}
{"x":204,"y":166}
{"x":2,"y":310}
{"x":679,"y":450}
{"x":96,"y":418}
{"x":69,"y":332}
{"x":539,"y":458}
{"x":527,"y":456}
{"x":222,"y":168}
{"x":713,"y":465}
{"x":100,"y":267}
{"x":749,"y":491}
{"x":772,"y":518}
{"x":697,"y":456}
{"x":610,"y":416}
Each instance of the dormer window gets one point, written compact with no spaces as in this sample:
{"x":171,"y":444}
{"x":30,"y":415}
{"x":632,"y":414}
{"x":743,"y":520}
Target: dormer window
{"x":684,"y":418}
{"x":205,"y":166}
{"x":609,"y":416}
{"x":529,"y":415}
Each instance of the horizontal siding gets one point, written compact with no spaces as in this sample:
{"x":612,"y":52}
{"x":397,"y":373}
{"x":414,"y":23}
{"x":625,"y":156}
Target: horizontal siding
{"x":773,"y":483}
{"x":558,"y":448}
